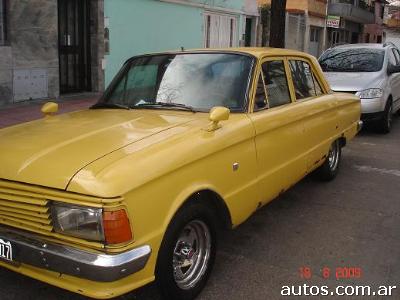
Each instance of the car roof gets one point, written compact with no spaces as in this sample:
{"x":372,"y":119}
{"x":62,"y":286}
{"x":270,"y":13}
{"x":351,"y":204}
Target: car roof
{"x":258,"y":52}
{"x":365,"y":45}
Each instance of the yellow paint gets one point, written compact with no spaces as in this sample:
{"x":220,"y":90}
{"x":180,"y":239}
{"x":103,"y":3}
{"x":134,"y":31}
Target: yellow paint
{"x":151,"y":161}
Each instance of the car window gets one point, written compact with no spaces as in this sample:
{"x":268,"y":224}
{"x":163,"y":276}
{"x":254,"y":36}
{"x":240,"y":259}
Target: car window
{"x":392,"y":59}
{"x":304,"y":81}
{"x":396,"y":55}
{"x":261,"y":100}
{"x":199,"y":80}
{"x":352,"y":60}
{"x":276,"y":84}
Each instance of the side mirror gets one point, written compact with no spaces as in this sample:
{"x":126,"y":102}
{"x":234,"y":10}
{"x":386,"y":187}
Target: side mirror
{"x":393,"y":69}
{"x":218,"y":114}
{"x":50,"y":108}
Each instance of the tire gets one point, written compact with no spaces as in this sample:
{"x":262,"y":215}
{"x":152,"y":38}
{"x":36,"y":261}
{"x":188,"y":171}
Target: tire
{"x":189,"y":247}
{"x":329,"y":170}
{"x":385,"y":125}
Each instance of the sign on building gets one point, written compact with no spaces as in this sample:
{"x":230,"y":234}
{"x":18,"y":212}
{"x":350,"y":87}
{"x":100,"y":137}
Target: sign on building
{"x":333,"y":21}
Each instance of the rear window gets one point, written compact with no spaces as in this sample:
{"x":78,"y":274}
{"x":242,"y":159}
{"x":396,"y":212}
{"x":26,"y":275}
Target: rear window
{"x":352,"y":60}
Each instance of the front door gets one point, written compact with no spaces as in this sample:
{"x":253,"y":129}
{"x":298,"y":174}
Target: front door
{"x":279,"y":130}
{"x":74,"y":45}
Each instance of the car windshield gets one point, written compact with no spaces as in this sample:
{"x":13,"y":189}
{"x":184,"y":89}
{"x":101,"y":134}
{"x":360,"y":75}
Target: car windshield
{"x":352,"y":60}
{"x":195,"y":81}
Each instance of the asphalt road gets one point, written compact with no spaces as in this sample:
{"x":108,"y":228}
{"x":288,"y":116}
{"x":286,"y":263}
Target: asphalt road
{"x":352,"y":222}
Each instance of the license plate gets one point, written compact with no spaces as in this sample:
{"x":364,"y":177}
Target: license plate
{"x":5,"y":250}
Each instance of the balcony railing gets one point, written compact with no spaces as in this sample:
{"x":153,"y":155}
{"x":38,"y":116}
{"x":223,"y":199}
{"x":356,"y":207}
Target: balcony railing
{"x":357,"y":3}
{"x":357,"y":11}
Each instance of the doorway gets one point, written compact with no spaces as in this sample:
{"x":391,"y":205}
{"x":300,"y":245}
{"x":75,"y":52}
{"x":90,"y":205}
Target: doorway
{"x":74,"y":46}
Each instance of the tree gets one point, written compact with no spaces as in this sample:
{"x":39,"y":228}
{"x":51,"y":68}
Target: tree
{"x":277,"y":29}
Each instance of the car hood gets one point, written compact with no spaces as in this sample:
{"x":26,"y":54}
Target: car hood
{"x":50,"y":151}
{"x":353,"y":82}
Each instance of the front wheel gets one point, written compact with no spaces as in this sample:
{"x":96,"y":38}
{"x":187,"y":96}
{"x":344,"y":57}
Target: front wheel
{"x":386,"y":122}
{"x":330,"y":168}
{"x":187,"y":253}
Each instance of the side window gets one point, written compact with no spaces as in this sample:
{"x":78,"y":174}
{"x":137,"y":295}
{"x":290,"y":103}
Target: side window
{"x":396,"y":55}
{"x":392,"y":59}
{"x":276,"y":84}
{"x":304,"y":81}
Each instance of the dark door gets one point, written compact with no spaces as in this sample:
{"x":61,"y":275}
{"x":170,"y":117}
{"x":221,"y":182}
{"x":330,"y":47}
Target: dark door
{"x":249,"y":26}
{"x":74,"y":45}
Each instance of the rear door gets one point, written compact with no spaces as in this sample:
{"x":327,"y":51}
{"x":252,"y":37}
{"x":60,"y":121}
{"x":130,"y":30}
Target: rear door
{"x":319,"y":108}
{"x":279,"y":129}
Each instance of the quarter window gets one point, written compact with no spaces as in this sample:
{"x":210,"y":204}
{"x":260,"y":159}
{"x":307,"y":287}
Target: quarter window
{"x":304,"y":80}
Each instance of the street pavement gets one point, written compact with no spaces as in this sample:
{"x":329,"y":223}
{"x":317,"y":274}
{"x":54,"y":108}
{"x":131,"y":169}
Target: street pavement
{"x":352,"y":222}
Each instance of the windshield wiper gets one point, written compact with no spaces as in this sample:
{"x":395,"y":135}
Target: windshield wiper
{"x":101,"y":105}
{"x":165,"y":104}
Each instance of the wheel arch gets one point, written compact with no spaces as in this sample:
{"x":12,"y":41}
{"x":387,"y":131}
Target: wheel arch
{"x":209,"y":197}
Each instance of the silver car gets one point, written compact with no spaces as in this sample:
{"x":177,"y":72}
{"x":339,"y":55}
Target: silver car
{"x":372,"y":72}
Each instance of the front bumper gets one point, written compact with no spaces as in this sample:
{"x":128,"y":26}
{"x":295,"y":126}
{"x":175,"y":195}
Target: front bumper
{"x":99,"y":267}
{"x":375,"y":105}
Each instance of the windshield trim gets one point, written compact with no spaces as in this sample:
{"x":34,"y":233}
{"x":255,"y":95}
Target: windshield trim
{"x":126,"y":67}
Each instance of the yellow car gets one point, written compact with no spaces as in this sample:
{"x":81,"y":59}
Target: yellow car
{"x":103,"y":201}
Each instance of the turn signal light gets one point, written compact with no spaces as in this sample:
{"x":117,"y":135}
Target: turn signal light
{"x":117,"y":229}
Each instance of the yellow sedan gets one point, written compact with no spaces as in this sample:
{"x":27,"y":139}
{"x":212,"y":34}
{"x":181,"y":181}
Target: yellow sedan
{"x":103,"y":201}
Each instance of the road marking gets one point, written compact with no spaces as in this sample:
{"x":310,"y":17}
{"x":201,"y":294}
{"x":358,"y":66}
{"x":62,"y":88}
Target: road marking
{"x":368,"y":169}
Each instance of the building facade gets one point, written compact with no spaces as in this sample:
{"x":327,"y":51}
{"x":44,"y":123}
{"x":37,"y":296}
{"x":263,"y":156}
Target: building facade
{"x":374,"y":33}
{"x":305,"y":25}
{"x":48,"y":48}
{"x":142,"y":26}
{"x":354,"y":15}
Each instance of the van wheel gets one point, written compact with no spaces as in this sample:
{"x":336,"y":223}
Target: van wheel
{"x":386,"y":122}
{"x":187,"y":253}
{"x":330,"y":168}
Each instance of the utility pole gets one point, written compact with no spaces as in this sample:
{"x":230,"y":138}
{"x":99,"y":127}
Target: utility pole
{"x":278,"y":24}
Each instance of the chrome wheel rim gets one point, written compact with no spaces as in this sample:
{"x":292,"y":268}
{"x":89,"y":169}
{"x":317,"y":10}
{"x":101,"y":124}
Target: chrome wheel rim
{"x":333,"y":157}
{"x":191,"y":254}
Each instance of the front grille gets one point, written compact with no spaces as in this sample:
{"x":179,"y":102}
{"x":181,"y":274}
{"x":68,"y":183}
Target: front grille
{"x":27,"y":207}
{"x":25,"y":210}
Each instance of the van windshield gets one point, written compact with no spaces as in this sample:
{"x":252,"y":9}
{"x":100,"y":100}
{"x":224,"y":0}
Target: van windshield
{"x":352,"y":60}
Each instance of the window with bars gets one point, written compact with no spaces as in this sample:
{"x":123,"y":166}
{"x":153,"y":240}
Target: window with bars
{"x":3,"y":22}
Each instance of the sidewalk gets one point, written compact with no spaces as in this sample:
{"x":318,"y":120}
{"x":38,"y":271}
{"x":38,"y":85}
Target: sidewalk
{"x":24,"y":112}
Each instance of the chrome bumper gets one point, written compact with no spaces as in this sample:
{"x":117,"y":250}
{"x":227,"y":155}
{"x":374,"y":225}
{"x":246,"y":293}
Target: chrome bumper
{"x":100,"y":267}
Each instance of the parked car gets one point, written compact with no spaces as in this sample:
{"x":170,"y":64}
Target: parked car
{"x":372,"y":72}
{"x":103,"y":201}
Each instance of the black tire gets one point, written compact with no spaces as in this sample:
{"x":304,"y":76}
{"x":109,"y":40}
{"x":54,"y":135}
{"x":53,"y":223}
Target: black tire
{"x":171,"y":287}
{"x":385,"y":125}
{"x":329,"y":170}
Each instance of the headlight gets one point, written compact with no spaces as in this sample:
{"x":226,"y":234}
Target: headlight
{"x":370,"y":93}
{"x":94,"y":224}
{"x":78,"y":221}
